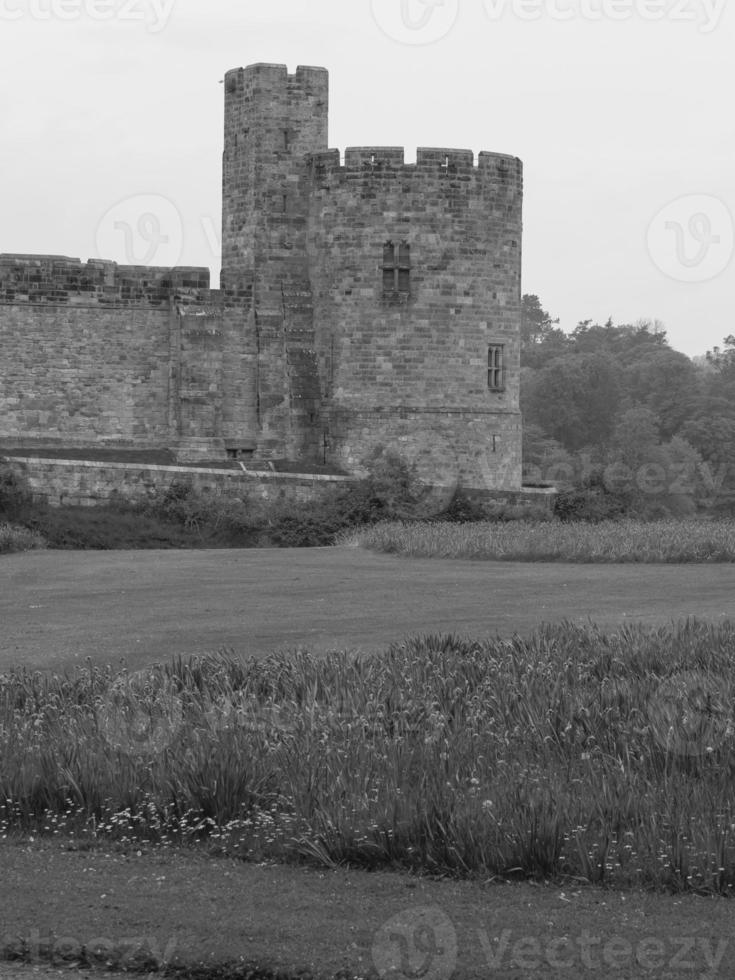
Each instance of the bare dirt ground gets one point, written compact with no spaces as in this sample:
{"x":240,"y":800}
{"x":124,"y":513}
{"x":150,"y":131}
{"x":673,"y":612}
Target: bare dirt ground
{"x":59,"y":607}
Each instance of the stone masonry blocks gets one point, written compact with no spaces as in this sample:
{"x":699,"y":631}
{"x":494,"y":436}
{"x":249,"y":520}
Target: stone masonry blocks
{"x":357,"y":307}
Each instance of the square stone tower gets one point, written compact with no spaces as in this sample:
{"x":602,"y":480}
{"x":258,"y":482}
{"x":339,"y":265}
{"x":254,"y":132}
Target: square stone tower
{"x":382,"y":298}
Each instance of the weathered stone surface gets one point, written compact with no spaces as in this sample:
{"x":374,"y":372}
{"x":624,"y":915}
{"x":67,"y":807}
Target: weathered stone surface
{"x":306,"y":351}
{"x":59,"y":481}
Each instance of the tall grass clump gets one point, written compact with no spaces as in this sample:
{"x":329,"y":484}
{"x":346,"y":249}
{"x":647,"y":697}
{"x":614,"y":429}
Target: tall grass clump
{"x":667,"y":541}
{"x":13,"y":539}
{"x":606,"y":757}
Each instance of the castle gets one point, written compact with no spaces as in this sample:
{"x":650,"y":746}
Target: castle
{"x":364,"y":306}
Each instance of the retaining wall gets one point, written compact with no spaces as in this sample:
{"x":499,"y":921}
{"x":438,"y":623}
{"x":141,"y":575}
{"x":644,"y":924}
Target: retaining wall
{"x":75,"y":482}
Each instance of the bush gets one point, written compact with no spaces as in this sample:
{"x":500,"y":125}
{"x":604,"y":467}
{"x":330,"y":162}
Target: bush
{"x":15,"y":494}
{"x":591,"y":501}
{"x":14,"y":539}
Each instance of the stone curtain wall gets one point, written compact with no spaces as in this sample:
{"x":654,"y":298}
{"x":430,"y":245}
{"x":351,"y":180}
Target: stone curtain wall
{"x":409,"y":373}
{"x":101,"y":353}
{"x":299,"y":354}
{"x":71,"y":482}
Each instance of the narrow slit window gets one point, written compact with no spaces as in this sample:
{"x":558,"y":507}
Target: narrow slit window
{"x":396,"y":268}
{"x":495,"y":368}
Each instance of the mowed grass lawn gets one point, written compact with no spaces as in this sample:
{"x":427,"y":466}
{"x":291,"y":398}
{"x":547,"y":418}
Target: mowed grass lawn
{"x":594,"y":762}
{"x":58,"y":608}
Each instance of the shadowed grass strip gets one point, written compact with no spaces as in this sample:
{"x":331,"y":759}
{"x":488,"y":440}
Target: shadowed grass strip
{"x":606,"y":757}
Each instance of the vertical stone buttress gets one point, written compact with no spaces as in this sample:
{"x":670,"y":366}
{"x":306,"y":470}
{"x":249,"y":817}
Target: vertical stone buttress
{"x":273,"y":120}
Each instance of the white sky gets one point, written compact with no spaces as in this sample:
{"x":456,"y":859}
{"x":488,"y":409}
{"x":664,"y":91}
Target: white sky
{"x":112,"y":109}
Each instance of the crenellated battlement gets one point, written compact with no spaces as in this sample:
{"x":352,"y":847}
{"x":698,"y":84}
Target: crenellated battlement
{"x":266,"y":76}
{"x":58,"y":279}
{"x":368,"y":305}
{"x":389,"y":161}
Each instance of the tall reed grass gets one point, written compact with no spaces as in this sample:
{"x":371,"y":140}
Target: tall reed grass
{"x":604,"y":757}
{"x":609,"y":541}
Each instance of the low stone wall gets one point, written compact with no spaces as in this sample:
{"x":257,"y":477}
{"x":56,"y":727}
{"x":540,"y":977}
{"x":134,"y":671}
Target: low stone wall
{"x":537,"y":497}
{"x":88,"y":483}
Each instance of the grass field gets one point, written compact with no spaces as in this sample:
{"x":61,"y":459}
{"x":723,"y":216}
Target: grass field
{"x":59,"y":607}
{"x":574,"y":755}
{"x":623,"y":541}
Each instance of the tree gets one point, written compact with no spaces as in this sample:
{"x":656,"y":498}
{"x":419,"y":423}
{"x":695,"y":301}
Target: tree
{"x":536,"y":323}
{"x":714,"y":439}
{"x":664,"y":381}
{"x":574,"y":400}
{"x":541,"y":339}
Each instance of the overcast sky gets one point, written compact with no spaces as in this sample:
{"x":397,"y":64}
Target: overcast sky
{"x":111,"y":118}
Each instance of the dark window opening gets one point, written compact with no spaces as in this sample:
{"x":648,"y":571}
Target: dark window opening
{"x":495,"y":368}
{"x":396,"y":268}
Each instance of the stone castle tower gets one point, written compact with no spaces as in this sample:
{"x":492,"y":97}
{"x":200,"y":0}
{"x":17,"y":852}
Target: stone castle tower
{"x":365,"y":306}
{"x":385,"y":297}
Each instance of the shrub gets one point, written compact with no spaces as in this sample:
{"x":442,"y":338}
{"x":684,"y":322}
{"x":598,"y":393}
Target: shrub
{"x":591,"y":501}
{"x":15,"y":494}
{"x":14,"y":539}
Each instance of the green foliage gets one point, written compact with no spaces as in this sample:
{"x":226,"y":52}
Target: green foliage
{"x":104,"y":528}
{"x":572,"y":754}
{"x":14,"y":539}
{"x":591,"y":503}
{"x":181,"y":517}
{"x":574,"y":400}
{"x":15,"y":495}
{"x":589,"y":395}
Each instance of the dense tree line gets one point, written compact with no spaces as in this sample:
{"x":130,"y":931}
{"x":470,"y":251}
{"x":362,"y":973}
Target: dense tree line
{"x":616,"y":414}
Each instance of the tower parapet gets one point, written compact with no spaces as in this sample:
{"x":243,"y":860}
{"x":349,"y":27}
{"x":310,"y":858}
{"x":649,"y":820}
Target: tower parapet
{"x":441,"y":161}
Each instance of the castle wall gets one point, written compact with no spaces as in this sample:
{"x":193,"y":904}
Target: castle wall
{"x":81,"y":376}
{"x":408,"y":371}
{"x":95,"y":352}
{"x":87,"y":484}
{"x":303,"y":352}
